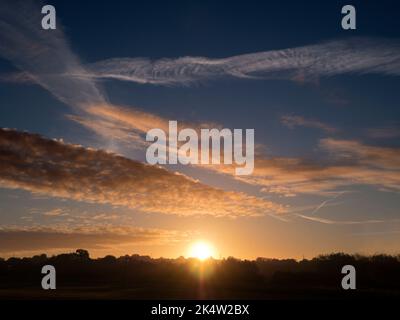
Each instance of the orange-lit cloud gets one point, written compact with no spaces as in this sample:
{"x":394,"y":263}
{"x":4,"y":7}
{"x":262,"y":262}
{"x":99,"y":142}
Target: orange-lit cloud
{"x":54,"y":168}
{"x":128,"y":124}
{"x":355,"y":151}
{"x":349,"y":163}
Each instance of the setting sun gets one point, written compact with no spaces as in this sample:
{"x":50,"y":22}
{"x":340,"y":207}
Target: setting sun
{"x":201,"y":250}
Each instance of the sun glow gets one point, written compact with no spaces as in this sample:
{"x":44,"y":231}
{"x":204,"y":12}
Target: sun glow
{"x":201,"y":250}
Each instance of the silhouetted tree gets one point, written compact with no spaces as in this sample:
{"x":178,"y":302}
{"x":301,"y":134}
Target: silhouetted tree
{"x":84,"y":254}
{"x":138,"y":276}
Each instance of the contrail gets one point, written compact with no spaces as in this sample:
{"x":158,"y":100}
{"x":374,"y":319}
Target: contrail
{"x":350,"y":56}
{"x":326,"y":202}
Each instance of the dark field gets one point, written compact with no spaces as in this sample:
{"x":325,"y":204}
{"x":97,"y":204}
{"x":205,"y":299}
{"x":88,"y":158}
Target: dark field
{"x":141,"y":277}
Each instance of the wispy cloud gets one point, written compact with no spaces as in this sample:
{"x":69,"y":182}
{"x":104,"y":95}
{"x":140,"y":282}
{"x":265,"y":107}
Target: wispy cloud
{"x":343,"y":163}
{"x":354,"y":151}
{"x":350,"y":56}
{"x":128,"y":124}
{"x":45,"y":57}
{"x":292,"y":121}
{"x":50,"y":238}
{"x":344,"y":222}
{"x":57,"y":212}
{"x":326,"y":202}
{"x":17,"y":77}
{"x":384,"y":132}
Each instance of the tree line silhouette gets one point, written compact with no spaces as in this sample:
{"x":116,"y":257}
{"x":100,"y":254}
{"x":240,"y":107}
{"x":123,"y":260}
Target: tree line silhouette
{"x":142,"y":277}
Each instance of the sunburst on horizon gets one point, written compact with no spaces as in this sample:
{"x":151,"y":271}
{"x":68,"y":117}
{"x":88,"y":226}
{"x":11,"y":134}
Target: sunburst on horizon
{"x":201,"y":250}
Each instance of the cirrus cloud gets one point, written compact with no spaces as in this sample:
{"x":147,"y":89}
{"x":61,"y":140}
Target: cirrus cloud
{"x":349,"y":56}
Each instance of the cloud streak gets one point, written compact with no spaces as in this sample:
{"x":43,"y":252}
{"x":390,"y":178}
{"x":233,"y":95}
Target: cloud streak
{"x":351,"y":56}
{"x":345,"y":222}
{"x":292,"y":121}
{"x":344,"y":163}
{"x":384,"y":132}
{"x":51,"y":167}
{"x":16,"y":239}
{"x":45,"y":57}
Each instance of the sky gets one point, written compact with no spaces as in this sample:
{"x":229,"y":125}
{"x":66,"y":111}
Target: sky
{"x":76,"y":103}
